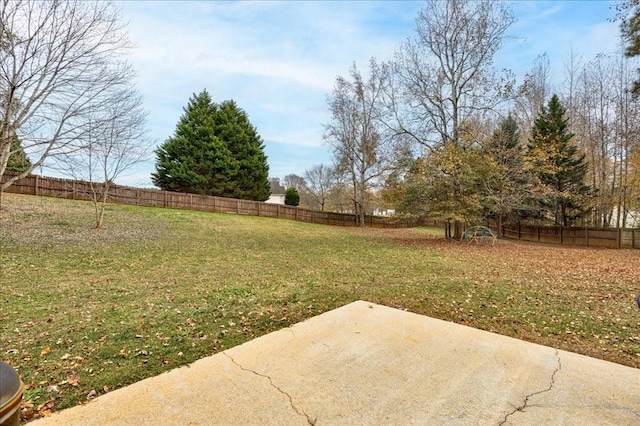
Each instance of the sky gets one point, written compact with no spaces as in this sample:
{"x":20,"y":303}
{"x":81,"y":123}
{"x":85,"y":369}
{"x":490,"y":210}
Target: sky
{"x":279,"y":60}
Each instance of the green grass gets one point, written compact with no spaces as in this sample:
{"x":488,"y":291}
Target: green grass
{"x":156,"y":289}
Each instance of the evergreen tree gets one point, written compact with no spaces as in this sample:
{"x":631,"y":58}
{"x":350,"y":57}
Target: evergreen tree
{"x":558,"y":165}
{"x":507,"y":183}
{"x":291,"y":197}
{"x":18,"y":161}
{"x":241,"y":137}
{"x":214,"y":151}
{"x":194,"y":159}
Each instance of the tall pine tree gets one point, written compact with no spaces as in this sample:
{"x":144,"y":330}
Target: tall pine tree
{"x":507,"y":182}
{"x":241,"y":137}
{"x":214,"y":151}
{"x":194,"y":159}
{"x":558,"y":165}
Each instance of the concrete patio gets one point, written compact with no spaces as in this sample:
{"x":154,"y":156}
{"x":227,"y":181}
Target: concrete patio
{"x":370,"y":364}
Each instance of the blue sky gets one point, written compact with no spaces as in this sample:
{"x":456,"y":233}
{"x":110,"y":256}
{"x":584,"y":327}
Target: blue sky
{"x":279,"y":60}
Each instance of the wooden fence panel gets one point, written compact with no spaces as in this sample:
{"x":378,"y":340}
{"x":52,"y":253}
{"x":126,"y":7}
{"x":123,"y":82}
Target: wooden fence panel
{"x":26,"y":186}
{"x":528,"y":233}
{"x":269,"y":210}
{"x":151,"y":198}
{"x":249,"y":208}
{"x":321,"y":218}
{"x":550,"y":234}
{"x":123,"y":195}
{"x":599,"y":237}
{"x":226,"y":205}
{"x":582,"y":236}
{"x":202,"y":203}
{"x":293,"y":213}
{"x":575,"y":236}
{"x":176,"y":200}
{"x":630,"y":238}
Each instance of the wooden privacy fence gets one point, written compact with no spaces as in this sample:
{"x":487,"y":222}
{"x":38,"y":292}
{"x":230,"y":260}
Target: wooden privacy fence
{"x":581,"y":236}
{"x":80,"y":190}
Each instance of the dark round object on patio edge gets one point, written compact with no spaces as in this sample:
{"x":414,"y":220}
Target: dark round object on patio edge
{"x":11,"y":390}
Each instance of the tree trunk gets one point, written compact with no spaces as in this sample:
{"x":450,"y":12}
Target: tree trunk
{"x":457,"y":230}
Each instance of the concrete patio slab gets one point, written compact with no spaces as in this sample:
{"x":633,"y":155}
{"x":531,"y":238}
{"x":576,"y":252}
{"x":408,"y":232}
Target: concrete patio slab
{"x":370,"y":364}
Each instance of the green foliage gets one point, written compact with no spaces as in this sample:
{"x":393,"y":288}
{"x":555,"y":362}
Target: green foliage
{"x":446,"y":184}
{"x":558,"y":166}
{"x":232,"y":125}
{"x":214,"y":151}
{"x":292,"y":197}
{"x":507,"y":186}
{"x":18,"y":160}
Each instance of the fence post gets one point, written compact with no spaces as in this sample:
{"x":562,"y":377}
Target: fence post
{"x":238,"y":207}
{"x":190,"y":201}
{"x":164,"y":204}
{"x":562,"y":235}
{"x":619,"y":238}
{"x":278,"y":211}
{"x":35,"y":190}
{"x":538,"y":232}
{"x":519,"y":232}
{"x":586,"y":236}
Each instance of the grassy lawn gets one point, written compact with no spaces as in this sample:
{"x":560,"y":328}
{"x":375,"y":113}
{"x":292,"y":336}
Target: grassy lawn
{"x":84,"y":311}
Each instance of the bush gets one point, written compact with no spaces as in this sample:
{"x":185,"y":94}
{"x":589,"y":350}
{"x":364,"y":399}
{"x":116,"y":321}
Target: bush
{"x":291,"y":197}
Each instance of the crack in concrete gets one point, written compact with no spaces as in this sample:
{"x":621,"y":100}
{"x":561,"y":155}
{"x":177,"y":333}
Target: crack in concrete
{"x":298,"y":411}
{"x":531,"y":395}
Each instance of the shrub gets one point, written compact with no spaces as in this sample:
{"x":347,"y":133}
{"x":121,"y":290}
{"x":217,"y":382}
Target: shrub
{"x":291,"y":197}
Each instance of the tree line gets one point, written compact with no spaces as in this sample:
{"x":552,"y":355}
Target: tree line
{"x":438,"y":130}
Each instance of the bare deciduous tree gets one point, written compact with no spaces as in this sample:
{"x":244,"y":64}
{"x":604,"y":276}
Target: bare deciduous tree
{"x":294,"y":181}
{"x":319,"y":181}
{"x":604,"y":117}
{"x":115,"y":142}
{"x":362,"y":152}
{"x":532,"y":94}
{"x":58,"y":59}
{"x":445,"y":74}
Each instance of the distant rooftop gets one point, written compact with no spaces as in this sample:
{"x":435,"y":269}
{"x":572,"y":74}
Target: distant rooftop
{"x":276,"y":188}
